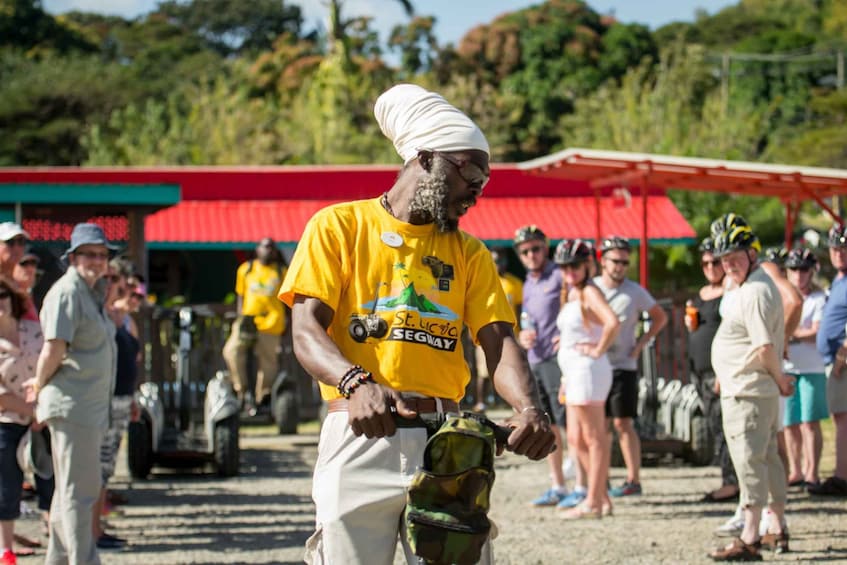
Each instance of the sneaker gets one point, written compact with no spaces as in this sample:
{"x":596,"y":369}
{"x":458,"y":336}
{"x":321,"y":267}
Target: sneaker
{"x":626,"y":489}
{"x":551,"y":497}
{"x":733,"y":526}
{"x":833,"y":486}
{"x":573,"y":499}
{"x":109,"y":542}
{"x":8,"y":558}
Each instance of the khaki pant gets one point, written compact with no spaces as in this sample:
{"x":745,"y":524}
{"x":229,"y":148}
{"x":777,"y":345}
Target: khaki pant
{"x":266,"y":349}
{"x":750,"y":425}
{"x":359,"y":489}
{"x":836,"y":391}
{"x":76,"y":470}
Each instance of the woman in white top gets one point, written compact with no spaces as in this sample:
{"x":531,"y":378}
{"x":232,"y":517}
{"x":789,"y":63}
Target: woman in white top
{"x":587,"y":327}
{"x":807,"y":407}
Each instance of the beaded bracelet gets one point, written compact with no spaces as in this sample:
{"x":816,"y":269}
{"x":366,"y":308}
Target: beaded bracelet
{"x":359,"y":380}
{"x":347,"y":377}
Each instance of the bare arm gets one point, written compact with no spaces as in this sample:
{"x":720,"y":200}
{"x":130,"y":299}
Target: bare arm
{"x":658,"y":320}
{"x":14,"y":403}
{"x":767,"y":356}
{"x":792,"y":300}
{"x":597,"y":306}
{"x":49,"y":361}
{"x":370,"y":407}
{"x":515,"y":384}
{"x":807,"y":334}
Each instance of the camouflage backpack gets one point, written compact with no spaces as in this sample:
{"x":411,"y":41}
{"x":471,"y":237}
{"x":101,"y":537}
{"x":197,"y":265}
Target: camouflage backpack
{"x":448,"y":499}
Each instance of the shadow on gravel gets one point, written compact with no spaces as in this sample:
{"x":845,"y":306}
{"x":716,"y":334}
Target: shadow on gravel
{"x":194,"y":510}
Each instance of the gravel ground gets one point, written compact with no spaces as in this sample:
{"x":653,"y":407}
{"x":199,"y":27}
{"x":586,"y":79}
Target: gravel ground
{"x":266,"y":514}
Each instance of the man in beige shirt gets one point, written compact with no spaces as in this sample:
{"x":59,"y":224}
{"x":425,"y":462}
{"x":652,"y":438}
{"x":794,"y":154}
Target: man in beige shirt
{"x":747,"y":359}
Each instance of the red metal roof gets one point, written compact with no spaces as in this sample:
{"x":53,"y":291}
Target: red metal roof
{"x":492,"y":219}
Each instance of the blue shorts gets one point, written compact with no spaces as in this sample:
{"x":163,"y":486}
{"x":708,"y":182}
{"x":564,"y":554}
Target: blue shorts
{"x":11,"y":476}
{"x":808,"y":404}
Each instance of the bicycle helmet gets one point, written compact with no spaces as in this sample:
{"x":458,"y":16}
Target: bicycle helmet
{"x":837,"y":236}
{"x":529,"y":233}
{"x":801,"y":258}
{"x":775,"y":255}
{"x":725,"y":222}
{"x":571,"y":251}
{"x":614,"y":242}
{"x":707,"y":245}
{"x":736,"y":239}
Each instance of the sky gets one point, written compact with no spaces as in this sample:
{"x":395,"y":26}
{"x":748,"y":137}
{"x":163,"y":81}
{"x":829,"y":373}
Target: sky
{"x":453,"y":17}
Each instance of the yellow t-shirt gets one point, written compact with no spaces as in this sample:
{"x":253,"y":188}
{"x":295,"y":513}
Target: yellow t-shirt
{"x":513,"y":288}
{"x":426,"y":285}
{"x":258,"y":291}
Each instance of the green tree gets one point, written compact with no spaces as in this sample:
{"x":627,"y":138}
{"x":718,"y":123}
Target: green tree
{"x":416,"y":43}
{"x":25,"y":26}
{"x":234,"y":26}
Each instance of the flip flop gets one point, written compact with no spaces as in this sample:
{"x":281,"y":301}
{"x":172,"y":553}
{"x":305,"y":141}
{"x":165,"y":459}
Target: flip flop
{"x":26,"y":542}
{"x":24,"y":552}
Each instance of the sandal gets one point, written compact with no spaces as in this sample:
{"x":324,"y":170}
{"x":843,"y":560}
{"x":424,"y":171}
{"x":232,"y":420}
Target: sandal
{"x":712,"y":497}
{"x":24,"y":541}
{"x":777,"y":542}
{"x":581,"y":512}
{"x":738,"y":551}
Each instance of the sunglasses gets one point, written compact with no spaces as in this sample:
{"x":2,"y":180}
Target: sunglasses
{"x":93,"y":254}
{"x":114,"y":278}
{"x":28,"y":263}
{"x":533,"y":249}
{"x":801,"y":269}
{"x":5,"y":294}
{"x":620,"y":262}
{"x":137,"y":296}
{"x":712,"y":263}
{"x":19,"y":241}
{"x":475,"y":176}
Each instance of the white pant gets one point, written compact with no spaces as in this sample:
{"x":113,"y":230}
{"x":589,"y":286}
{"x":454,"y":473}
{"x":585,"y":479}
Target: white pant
{"x":359,"y":489}
{"x":76,"y":469}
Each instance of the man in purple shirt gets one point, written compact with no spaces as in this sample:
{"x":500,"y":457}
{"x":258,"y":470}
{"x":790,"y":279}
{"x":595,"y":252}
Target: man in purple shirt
{"x":540,"y":337}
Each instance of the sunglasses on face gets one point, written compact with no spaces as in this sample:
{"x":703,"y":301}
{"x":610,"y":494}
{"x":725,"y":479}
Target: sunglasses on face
{"x":533,"y":249}
{"x":470,"y":172}
{"x":801,"y":269}
{"x":5,"y":294}
{"x":137,"y":296}
{"x":620,"y":262}
{"x":19,"y":241}
{"x":93,"y":254}
{"x":712,"y":263}
{"x":29,"y":263}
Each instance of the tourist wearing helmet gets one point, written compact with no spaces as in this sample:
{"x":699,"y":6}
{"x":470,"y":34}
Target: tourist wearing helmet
{"x":540,"y":337}
{"x":747,"y":354}
{"x":807,"y":407}
{"x":587,"y":327}
{"x":832,"y":345}
{"x":702,"y":323}
{"x":628,"y":300}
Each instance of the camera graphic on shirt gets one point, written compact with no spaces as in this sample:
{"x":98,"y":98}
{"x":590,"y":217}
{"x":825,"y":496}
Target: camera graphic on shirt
{"x":368,"y":325}
{"x":363,"y":326}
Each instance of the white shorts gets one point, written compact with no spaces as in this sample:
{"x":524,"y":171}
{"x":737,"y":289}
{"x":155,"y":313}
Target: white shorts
{"x":587,"y":380}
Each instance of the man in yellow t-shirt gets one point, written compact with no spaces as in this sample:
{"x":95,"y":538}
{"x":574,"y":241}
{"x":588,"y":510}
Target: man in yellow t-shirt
{"x":513,"y":289}
{"x":260,"y":322}
{"x":380,"y":290}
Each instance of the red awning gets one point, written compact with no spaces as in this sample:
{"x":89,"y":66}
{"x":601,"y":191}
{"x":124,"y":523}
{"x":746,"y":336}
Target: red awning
{"x":230,"y":223}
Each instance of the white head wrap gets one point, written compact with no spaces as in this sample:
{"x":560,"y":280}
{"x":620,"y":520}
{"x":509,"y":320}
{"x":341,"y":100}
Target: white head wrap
{"x":414,"y":119}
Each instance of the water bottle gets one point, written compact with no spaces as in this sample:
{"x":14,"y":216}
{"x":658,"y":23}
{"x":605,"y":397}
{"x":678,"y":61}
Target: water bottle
{"x":527,"y":323}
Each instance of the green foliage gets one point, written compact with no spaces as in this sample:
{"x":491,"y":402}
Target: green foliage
{"x":234,"y":26}
{"x":46,"y":105}
{"x":25,"y":26}
{"x":417,"y":45}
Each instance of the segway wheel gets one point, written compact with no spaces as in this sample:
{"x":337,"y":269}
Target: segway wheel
{"x":139,"y":449}
{"x":227,"y":451}
{"x":701,"y":450}
{"x":286,"y":412}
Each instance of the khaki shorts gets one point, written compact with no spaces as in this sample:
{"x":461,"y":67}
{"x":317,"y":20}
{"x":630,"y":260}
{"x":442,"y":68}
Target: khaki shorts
{"x":836,"y":391}
{"x":359,"y":489}
{"x":750,"y":427}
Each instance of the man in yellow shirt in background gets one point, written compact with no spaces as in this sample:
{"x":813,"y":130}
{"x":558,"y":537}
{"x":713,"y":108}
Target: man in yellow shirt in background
{"x":513,"y":288}
{"x":260,"y":323}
